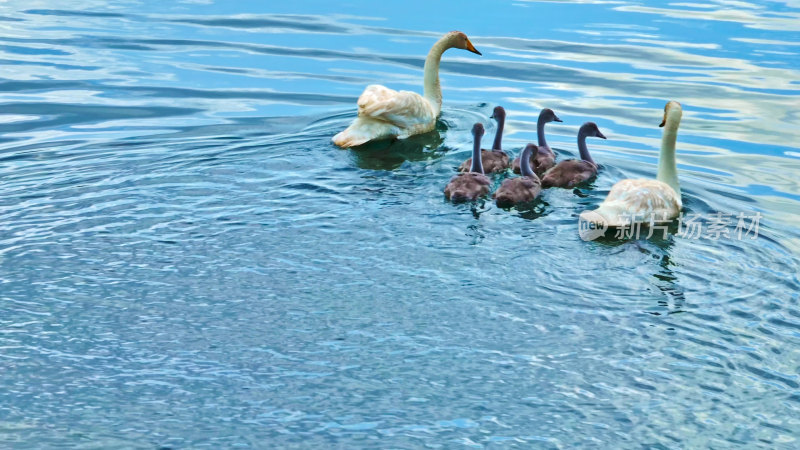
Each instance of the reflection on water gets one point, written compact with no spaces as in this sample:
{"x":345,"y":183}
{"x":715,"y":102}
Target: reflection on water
{"x":390,"y":154}
{"x":182,"y":248}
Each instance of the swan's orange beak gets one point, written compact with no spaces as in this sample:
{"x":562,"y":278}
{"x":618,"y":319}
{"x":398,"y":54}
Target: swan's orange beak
{"x":472,"y":48}
{"x":664,"y":121}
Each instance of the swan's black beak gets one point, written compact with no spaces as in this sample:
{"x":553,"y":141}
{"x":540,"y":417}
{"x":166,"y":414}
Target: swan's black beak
{"x":472,"y":48}
{"x":556,"y":119}
{"x":663,"y":122}
{"x":600,"y":135}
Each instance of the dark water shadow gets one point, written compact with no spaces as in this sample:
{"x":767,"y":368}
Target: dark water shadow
{"x":616,"y":236}
{"x":668,"y":283}
{"x":532,"y":210}
{"x":529,"y":210}
{"x":391,"y":154}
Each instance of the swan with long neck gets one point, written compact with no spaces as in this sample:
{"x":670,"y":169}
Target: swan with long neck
{"x":384,"y":113}
{"x":470,"y":185}
{"x":544,"y":159}
{"x":523,"y":189}
{"x":572,"y":172}
{"x":495,"y":160}
{"x":646,"y":200}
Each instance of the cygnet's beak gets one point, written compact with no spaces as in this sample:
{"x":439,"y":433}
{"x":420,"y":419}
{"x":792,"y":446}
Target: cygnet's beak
{"x":556,"y":119}
{"x":472,"y":48}
{"x":600,"y":135}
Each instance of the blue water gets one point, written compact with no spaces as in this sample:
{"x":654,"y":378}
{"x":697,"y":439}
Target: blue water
{"x":186,"y":261}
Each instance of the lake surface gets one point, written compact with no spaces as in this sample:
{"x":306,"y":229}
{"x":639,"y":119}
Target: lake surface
{"x":186,"y":261}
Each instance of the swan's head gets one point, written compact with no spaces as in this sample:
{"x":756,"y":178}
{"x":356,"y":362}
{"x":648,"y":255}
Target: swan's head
{"x":590,"y":129}
{"x":498,"y":113}
{"x":460,"y":40}
{"x":548,"y":115}
{"x":477,"y":130}
{"x":672,"y":111}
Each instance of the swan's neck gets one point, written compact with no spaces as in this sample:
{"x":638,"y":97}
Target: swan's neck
{"x":584,"y":151}
{"x":477,"y":162}
{"x":498,"y":136}
{"x":540,"y":132}
{"x":433,"y":90}
{"x":667,"y":165}
{"x":525,"y":162}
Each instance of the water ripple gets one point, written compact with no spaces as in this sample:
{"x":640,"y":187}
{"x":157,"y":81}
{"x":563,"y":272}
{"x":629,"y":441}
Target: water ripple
{"x":182,"y":248}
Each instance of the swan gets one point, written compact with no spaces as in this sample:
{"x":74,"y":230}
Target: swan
{"x":470,"y":185}
{"x":643,"y":200}
{"x":545,"y":158}
{"x":494,"y":160}
{"x":385,"y":113}
{"x":572,"y":172}
{"x":522,"y":189}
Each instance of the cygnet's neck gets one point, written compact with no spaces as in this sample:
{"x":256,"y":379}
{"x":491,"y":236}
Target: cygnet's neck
{"x":525,"y":160}
{"x":584,"y":151}
{"x":477,"y":161}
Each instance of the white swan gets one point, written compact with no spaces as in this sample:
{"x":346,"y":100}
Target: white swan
{"x":632,"y":201}
{"x":385,"y":113}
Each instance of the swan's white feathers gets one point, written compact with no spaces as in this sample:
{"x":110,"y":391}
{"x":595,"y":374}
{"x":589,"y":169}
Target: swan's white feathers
{"x":645,"y":200}
{"x":638,"y":201}
{"x":404,"y":109}
{"x":385,"y":113}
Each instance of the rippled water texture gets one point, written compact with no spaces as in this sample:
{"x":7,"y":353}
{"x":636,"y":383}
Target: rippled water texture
{"x":186,"y":261}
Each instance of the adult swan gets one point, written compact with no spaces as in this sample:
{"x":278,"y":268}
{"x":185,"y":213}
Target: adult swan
{"x":646,"y":200}
{"x":384,"y":113}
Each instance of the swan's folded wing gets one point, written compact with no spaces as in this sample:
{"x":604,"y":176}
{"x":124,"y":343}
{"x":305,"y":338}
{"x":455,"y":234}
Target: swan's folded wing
{"x":645,"y":197}
{"x":400,"y":108}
